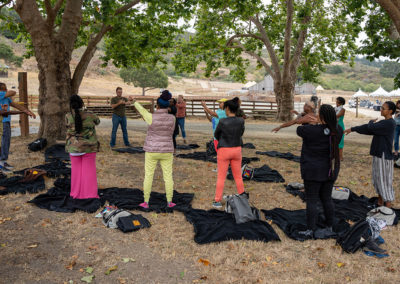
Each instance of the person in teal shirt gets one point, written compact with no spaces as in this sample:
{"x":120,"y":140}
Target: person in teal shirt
{"x":217,"y":115}
{"x":340,"y":111}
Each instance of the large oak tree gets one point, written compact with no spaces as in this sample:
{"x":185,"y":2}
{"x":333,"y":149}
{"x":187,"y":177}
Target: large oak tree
{"x":290,"y":39}
{"x":134,"y":31}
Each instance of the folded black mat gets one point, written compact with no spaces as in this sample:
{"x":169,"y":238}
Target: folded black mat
{"x":54,"y":169}
{"x":202,"y":156}
{"x":293,"y":221}
{"x":16,"y":184}
{"x":130,"y":150}
{"x":288,"y":156}
{"x":130,"y":198}
{"x":262,"y":174}
{"x":187,"y":147}
{"x":217,"y":226}
{"x":56,"y":152}
{"x":248,"y":146}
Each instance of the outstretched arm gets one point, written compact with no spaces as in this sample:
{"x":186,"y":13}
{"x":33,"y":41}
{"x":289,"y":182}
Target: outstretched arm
{"x":23,"y":109}
{"x":147,"y":116}
{"x":286,"y":124}
{"x":209,"y":111}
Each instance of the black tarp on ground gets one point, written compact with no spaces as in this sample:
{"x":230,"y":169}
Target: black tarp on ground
{"x":293,"y":221}
{"x":263,"y":174}
{"x":248,"y":146}
{"x":130,"y":150}
{"x":16,"y":184}
{"x":130,"y":198}
{"x":58,"y":199}
{"x":202,"y":156}
{"x":53,"y":169}
{"x":56,"y":152}
{"x":288,"y":156}
{"x":217,"y":226}
{"x":187,"y":147}
{"x":354,"y":209}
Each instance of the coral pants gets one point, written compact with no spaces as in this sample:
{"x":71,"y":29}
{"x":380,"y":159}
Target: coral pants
{"x":151,"y":161}
{"x":226,"y":156}
{"x":83,"y":176}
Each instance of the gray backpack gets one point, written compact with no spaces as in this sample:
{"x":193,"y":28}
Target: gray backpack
{"x":110,"y":218}
{"x":238,"y":204}
{"x":383,"y":213}
{"x":340,"y":193}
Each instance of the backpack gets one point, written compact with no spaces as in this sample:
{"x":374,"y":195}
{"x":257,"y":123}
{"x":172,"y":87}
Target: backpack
{"x":132,"y":223}
{"x":247,"y":172}
{"x":340,"y":193}
{"x":37,"y":145}
{"x":384,"y":213}
{"x":238,"y":204}
{"x":210,"y":148}
{"x":110,"y":217}
{"x":355,"y":238}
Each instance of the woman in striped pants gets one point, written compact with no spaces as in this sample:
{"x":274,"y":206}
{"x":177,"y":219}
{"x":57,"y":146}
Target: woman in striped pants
{"x":381,"y":152}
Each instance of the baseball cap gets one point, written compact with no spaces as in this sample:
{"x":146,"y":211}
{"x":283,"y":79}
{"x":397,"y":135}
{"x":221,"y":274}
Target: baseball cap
{"x":222,"y":100}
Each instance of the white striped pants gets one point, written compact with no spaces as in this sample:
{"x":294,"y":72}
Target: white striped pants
{"x":382,"y":177}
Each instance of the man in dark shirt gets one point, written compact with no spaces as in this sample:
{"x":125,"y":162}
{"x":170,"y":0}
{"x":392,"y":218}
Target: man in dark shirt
{"x":118,"y":104}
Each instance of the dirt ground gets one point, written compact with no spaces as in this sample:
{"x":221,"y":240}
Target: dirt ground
{"x":40,"y":246}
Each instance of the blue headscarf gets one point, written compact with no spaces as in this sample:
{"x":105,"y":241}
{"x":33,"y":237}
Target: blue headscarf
{"x":162,"y":103}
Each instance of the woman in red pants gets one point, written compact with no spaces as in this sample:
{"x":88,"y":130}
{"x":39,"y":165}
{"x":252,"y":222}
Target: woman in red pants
{"x":229,"y":134}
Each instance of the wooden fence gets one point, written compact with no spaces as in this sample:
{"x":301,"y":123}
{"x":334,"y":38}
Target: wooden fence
{"x":101,"y":106}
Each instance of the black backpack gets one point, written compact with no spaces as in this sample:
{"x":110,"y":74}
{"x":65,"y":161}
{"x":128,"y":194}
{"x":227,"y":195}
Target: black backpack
{"x":132,"y":223}
{"x":37,"y":145}
{"x":355,"y":238}
{"x":210,"y":148}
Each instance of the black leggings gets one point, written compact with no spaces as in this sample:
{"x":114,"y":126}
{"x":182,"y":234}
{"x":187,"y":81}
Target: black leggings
{"x":319,"y":191}
{"x":174,"y":140}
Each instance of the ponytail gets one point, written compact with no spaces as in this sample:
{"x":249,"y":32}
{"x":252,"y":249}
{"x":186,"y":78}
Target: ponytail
{"x":76,"y":104}
{"x":232,"y":104}
{"x":328,"y":115}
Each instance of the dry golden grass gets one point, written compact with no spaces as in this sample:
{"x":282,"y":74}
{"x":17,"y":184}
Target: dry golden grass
{"x":168,"y":245}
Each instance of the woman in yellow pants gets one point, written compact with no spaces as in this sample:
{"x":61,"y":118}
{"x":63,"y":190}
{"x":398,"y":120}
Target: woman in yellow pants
{"x":158,"y":146}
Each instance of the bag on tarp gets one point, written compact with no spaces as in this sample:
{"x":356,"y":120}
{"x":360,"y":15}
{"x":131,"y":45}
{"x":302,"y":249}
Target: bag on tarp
{"x":340,"y":193}
{"x":355,"y":238}
{"x":384,"y":213}
{"x":132,"y":223}
{"x":247,"y":172}
{"x":110,"y":217}
{"x":37,"y":145}
{"x":238,"y":204}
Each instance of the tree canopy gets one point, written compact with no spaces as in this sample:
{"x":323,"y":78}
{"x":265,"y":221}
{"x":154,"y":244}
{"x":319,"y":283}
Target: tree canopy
{"x":145,"y":77}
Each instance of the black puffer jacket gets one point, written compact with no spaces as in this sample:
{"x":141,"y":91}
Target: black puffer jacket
{"x":229,"y":132}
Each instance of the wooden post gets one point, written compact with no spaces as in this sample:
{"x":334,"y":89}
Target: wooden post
{"x":152,"y":106}
{"x":23,"y":99}
{"x":357,"y":107}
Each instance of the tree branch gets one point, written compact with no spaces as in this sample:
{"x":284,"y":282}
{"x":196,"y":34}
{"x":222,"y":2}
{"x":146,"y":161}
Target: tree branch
{"x":288,"y":35}
{"x":58,"y":5}
{"x":300,"y":42}
{"x":243,"y":35}
{"x":255,"y":55}
{"x":86,"y":57}
{"x":126,"y":7}
{"x":5,"y":4}
{"x":268,"y":45}
{"x":71,"y":22}
{"x":392,"y":8}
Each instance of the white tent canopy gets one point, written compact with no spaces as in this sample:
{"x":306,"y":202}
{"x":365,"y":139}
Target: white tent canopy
{"x":249,"y":84}
{"x":319,"y":88}
{"x":360,"y":94}
{"x":380,"y":92}
{"x":395,"y":93}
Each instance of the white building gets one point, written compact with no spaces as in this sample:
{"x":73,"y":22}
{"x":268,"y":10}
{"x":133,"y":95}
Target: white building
{"x":267,"y":85}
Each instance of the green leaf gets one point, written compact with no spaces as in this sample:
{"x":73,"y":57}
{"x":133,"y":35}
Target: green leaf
{"x":89,"y":269}
{"x":87,"y":279}
{"x":128,"y":259}
{"x":182,"y":274}
{"x":113,"y":268}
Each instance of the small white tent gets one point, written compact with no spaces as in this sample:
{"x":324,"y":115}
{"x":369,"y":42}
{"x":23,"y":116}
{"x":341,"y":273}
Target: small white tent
{"x":319,"y":88}
{"x":395,"y":93}
{"x":380,"y":92}
{"x":360,"y":94}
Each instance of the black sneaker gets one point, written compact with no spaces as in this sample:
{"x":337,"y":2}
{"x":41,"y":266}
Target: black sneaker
{"x":372,"y":246}
{"x":8,"y":166}
{"x":5,"y":170}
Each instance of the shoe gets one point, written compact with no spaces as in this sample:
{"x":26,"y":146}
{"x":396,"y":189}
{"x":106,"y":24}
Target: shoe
{"x":5,"y":170}
{"x":8,"y":166}
{"x":308,"y":234}
{"x":379,"y":240}
{"x":217,"y":205}
{"x":378,"y":255}
{"x":171,"y":204}
{"x":215,"y":170}
{"x":373,"y":247}
{"x":129,"y":145}
{"x":144,"y":205}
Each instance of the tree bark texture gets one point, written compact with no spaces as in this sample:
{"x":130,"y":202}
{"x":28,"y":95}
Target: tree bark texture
{"x":392,"y":8}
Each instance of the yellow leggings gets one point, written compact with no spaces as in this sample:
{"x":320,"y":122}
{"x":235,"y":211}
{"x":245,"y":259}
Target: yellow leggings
{"x":166,"y":161}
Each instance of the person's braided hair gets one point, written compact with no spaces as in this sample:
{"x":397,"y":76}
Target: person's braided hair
{"x":76,"y":103}
{"x":328,"y":115}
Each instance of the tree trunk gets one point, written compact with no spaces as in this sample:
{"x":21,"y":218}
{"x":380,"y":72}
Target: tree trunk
{"x":54,"y":94}
{"x":143,"y":91}
{"x":284,"y":99}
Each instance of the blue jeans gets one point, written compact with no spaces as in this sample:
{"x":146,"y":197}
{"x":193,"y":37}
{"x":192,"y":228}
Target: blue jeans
{"x":5,"y":141}
{"x":396,"y":137}
{"x":181,"y":123}
{"x":116,"y":121}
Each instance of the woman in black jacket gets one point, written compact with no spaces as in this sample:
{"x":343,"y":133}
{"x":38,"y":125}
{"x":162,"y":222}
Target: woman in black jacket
{"x":320,"y":164}
{"x":229,"y":134}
